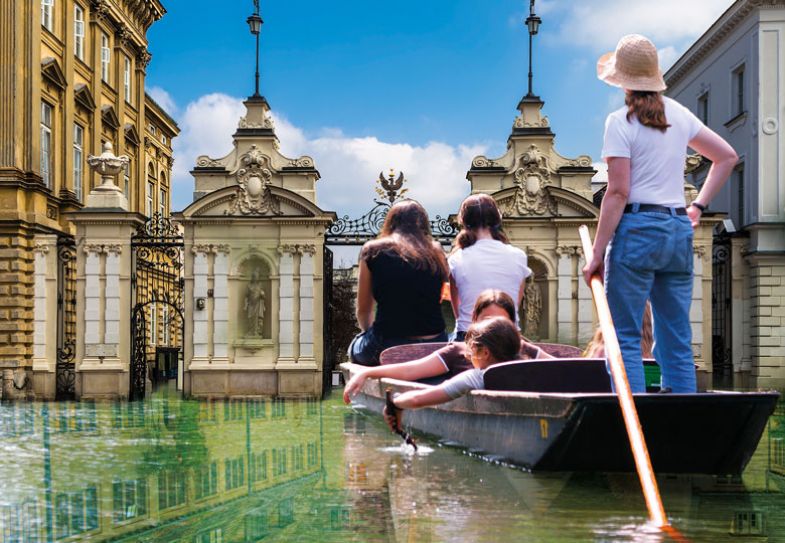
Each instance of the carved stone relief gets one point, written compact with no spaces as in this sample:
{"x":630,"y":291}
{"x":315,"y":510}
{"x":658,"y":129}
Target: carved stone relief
{"x":253,"y":195}
{"x":531,"y":178}
{"x":532,"y":308}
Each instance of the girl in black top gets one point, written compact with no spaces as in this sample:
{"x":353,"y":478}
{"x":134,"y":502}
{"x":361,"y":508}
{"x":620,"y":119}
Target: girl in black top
{"x":401,"y":272}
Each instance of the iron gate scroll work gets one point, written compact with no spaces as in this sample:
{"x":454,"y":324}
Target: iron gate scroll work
{"x":65,"y":372}
{"x":157,"y":293}
{"x":721,"y":347}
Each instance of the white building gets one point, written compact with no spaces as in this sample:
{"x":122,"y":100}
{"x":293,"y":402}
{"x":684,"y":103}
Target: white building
{"x":733,"y":77}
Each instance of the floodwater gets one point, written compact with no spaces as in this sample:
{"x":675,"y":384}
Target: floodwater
{"x":170,"y":470}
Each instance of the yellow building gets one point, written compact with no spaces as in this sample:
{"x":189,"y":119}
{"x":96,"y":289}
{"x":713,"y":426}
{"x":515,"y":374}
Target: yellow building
{"x":72,"y":76}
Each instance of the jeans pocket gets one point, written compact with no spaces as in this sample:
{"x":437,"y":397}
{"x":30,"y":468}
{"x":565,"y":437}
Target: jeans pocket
{"x":643,"y":249}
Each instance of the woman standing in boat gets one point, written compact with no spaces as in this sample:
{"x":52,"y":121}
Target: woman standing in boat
{"x":401,"y":272}
{"x":483,"y":259}
{"x":644,"y":224}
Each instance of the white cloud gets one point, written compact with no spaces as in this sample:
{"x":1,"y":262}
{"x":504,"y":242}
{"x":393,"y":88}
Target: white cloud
{"x":668,"y":55}
{"x":348,"y":165}
{"x":164,"y":99}
{"x":602,"y":172}
{"x":600,"y":23}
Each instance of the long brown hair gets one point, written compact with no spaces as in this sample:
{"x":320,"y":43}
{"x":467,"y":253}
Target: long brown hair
{"x":407,"y":232}
{"x":478,"y":211}
{"x":597,"y":341}
{"x":499,"y":335}
{"x":648,"y":107}
{"x":492,"y":296}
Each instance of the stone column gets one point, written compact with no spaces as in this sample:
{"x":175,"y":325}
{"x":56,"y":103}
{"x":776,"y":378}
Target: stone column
{"x":201,"y":317}
{"x":286,"y":305}
{"x":93,"y":302}
{"x":696,"y":311}
{"x":45,"y":314}
{"x":221,"y":303}
{"x":564,"y":273}
{"x":306,"y":305}
{"x":586,"y":324}
{"x":112,"y":300}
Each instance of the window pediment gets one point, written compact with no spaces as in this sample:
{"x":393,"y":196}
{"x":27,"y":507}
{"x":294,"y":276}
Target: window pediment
{"x":53,"y":73}
{"x":109,"y":117}
{"x":83,"y":97}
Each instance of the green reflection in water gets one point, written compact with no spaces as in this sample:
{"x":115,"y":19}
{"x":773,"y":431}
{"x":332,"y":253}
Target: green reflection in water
{"x":170,"y":470}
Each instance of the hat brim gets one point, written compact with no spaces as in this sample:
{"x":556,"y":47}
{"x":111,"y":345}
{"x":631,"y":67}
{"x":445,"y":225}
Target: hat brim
{"x":607,"y":72}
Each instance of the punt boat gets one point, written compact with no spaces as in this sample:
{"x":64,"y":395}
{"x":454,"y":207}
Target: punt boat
{"x":561,"y":415}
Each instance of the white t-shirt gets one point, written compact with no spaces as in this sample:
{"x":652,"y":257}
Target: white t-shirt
{"x":656,"y":158}
{"x":486,"y":264}
{"x":464,"y":382}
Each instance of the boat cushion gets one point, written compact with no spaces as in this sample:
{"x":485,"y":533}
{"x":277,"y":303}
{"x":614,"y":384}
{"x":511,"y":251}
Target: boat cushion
{"x":559,"y":376}
{"x":413,"y":351}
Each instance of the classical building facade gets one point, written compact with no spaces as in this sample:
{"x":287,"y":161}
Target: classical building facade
{"x":72,"y":76}
{"x":254,"y":261}
{"x":732,"y":78}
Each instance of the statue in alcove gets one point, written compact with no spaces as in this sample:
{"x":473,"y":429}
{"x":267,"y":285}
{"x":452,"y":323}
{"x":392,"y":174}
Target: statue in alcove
{"x":532,"y":299}
{"x":254,"y":306}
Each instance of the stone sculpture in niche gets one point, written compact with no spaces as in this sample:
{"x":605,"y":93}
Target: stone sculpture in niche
{"x":532,"y":299}
{"x":254,"y":306}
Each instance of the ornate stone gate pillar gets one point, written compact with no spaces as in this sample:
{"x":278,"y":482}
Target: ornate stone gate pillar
{"x":44,"y":310}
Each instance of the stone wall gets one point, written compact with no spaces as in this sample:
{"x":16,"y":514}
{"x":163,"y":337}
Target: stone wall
{"x":767,"y":296}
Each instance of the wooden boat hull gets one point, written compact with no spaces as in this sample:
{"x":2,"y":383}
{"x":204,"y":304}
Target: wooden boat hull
{"x":709,"y":433}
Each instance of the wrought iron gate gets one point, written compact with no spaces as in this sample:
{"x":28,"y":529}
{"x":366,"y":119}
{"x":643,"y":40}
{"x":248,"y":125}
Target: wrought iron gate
{"x":721,"y":346}
{"x":157,"y":294}
{"x":65,"y":376}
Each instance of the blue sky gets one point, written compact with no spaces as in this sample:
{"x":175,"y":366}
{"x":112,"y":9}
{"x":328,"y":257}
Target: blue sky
{"x":419,"y":86}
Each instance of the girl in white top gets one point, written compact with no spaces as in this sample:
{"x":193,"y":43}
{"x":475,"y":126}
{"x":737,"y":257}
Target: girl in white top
{"x":483,"y":259}
{"x":644,"y":224}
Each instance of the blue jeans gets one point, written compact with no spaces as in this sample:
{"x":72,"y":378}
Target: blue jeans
{"x":650,"y":257}
{"x":366,"y":346}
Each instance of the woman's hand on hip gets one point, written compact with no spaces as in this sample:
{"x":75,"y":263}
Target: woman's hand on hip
{"x":694,"y":214}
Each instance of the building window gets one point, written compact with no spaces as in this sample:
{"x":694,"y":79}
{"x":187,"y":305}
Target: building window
{"x":76,"y":512}
{"x":213,"y":535}
{"x":129,"y":499}
{"x":150,"y":198}
{"x":47,"y":14}
{"x":171,"y":489}
{"x":737,"y":90}
{"x":78,"y":160}
{"x":703,"y":108}
{"x":79,"y":32}
{"x":279,"y":462}
{"x":127,"y":178}
{"x":127,"y":80}
{"x":234,"y":473}
{"x":106,"y":57}
{"x":162,"y":202}
{"x":153,"y":324}
{"x":738,"y":178}
{"x":206,"y":480}
{"x":258,"y":466}
{"x":164,"y":140}
{"x":46,"y":143}
{"x":166,"y":323}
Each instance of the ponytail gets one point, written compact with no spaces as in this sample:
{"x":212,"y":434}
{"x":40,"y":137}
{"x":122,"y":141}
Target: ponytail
{"x":478,"y":211}
{"x":648,"y":107}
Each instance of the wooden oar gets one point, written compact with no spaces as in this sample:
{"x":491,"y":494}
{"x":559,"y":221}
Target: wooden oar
{"x":391,"y":411}
{"x":613,"y":353}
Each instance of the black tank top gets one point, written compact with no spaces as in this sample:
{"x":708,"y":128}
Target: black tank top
{"x":407,"y":299}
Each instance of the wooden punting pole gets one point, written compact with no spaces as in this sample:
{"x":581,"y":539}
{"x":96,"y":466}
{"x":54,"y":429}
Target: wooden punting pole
{"x":634,"y":432}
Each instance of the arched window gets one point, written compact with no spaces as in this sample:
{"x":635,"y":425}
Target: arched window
{"x":162,"y":200}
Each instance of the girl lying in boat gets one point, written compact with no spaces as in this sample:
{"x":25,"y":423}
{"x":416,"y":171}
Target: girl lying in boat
{"x":453,"y":358}
{"x":489,"y":341}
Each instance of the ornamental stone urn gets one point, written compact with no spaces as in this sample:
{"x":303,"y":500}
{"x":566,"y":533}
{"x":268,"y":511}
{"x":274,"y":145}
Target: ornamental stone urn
{"x":107,"y":195}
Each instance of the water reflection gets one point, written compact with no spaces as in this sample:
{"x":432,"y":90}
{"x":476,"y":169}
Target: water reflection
{"x":251,"y":470}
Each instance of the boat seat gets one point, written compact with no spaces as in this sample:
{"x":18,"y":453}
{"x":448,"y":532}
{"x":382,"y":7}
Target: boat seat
{"x":413,"y":351}
{"x":557,"y":350}
{"x":409,"y":352}
{"x":572,"y":375}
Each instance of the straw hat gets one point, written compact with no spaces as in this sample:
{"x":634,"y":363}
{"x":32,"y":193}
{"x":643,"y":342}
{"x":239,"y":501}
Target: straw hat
{"x":634,"y":65}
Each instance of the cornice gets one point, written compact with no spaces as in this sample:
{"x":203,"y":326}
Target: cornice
{"x":728,"y":22}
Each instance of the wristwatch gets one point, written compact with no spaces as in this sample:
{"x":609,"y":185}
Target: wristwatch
{"x":699,"y":206}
